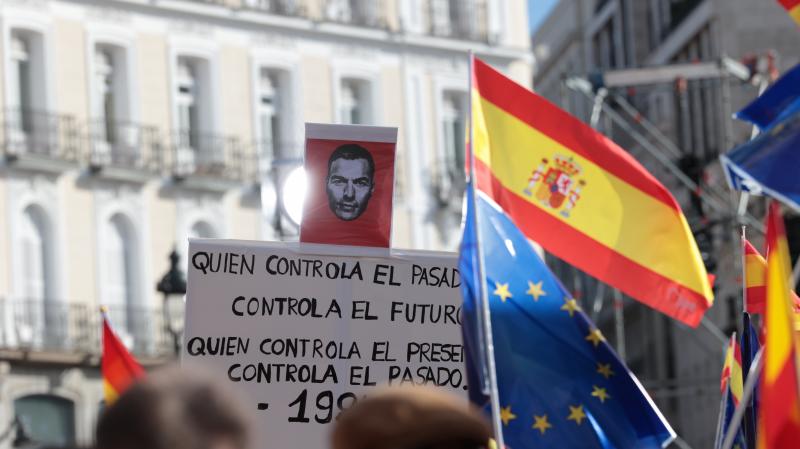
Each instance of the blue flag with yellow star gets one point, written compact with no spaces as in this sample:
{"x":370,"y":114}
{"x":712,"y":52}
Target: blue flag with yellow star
{"x":560,"y":384}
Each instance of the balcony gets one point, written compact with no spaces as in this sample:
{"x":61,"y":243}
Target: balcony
{"x":364,"y":13}
{"x":41,"y":135}
{"x":198,"y":155}
{"x":123,"y":150}
{"x":123,"y":145}
{"x":456,"y":19}
{"x":63,"y":331}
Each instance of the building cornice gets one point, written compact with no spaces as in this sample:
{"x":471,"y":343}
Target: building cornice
{"x":322,"y":30}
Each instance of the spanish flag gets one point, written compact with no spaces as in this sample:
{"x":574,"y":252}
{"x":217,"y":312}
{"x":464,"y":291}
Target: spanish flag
{"x":792,"y":7}
{"x":732,"y":371}
{"x":118,"y":367}
{"x":755,"y":267}
{"x":731,"y":387}
{"x":779,"y":410}
{"x":583,"y":198}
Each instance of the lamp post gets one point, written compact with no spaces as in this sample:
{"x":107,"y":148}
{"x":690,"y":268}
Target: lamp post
{"x":173,"y":286}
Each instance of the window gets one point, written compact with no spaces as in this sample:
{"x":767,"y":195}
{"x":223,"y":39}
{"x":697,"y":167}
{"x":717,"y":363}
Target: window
{"x":20,"y":101}
{"x":288,"y":7}
{"x":454,"y":132}
{"x":440,"y":17}
{"x":38,"y":320}
{"x":269,"y":115}
{"x":197,"y":147}
{"x":104,"y":94}
{"x":354,"y":102}
{"x":453,"y":18}
{"x":26,"y":89}
{"x":119,"y":260}
{"x":339,"y":10}
{"x":48,"y":420}
{"x":187,"y":104}
{"x":464,"y":18}
{"x":34,"y":254}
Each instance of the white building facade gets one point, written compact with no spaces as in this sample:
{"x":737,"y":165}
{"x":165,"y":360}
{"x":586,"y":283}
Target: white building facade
{"x":130,"y":126}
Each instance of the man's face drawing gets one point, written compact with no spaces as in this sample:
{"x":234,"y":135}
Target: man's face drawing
{"x":349,"y":187}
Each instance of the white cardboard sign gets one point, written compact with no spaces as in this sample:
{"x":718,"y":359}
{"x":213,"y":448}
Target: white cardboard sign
{"x":305,"y":330}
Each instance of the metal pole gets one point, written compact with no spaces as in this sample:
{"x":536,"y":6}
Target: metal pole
{"x":494,"y":394}
{"x":711,"y":327}
{"x":674,"y":170}
{"x":619,"y":323}
{"x":749,"y":386}
{"x":749,"y":419}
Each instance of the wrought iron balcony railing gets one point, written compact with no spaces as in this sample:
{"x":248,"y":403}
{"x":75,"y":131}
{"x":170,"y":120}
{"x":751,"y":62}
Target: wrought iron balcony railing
{"x":123,"y":145}
{"x":289,"y":8}
{"x":206,"y":155}
{"x":127,"y":145}
{"x":467,"y":19}
{"x":40,"y":133}
{"x":69,"y":328}
{"x":365,"y":13}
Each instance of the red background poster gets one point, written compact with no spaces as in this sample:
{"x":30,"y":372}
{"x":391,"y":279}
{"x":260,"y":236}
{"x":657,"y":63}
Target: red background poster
{"x":338,"y":208}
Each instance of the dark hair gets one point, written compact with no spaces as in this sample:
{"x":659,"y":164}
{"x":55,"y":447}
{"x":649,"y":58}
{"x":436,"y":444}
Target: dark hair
{"x":411,"y":418}
{"x":351,"y":151}
{"x":173,"y":409}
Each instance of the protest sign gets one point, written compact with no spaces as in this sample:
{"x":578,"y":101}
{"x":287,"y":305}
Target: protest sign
{"x":350,"y":173}
{"x":306,"y":330}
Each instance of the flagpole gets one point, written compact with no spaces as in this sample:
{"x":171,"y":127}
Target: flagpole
{"x":723,"y":405}
{"x":742,"y":240}
{"x":486,"y":321}
{"x":749,"y":386}
{"x":749,"y":421}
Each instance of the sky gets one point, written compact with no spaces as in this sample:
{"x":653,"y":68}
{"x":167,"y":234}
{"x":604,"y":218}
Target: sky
{"x":537,"y":11}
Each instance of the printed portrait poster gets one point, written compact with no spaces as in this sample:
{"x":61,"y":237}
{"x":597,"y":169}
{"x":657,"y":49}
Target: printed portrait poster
{"x":350,"y":173}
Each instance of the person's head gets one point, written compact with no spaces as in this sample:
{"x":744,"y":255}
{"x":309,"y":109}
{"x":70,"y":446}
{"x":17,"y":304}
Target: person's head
{"x":350,"y":182}
{"x":174,"y":409}
{"x":411,"y":418}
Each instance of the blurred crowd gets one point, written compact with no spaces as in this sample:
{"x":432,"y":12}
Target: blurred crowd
{"x":175,"y":408}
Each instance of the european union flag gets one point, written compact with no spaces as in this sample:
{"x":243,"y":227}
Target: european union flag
{"x":768,"y":163}
{"x":560,"y":384}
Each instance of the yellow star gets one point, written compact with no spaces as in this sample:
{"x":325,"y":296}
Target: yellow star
{"x":506,"y":416}
{"x":605,"y":370}
{"x":600,"y":393}
{"x":576,"y":414}
{"x":536,"y":290}
{"x":501,"y":290}
{"x":595,"y":337}
{"x":541,"y":423}
{"x":570,"y":305}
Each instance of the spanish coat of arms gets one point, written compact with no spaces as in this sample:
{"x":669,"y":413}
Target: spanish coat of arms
{"x":558,"y":186}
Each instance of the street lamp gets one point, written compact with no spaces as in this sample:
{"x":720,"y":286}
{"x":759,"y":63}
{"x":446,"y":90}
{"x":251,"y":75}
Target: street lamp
{"x":173,"y":286}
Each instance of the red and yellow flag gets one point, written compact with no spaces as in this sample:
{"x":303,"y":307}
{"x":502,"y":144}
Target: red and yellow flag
{"x":118,"y":367}
{"x":779,"y":409}
{"x":583,"y":198}
{"x":755,"y":268}
{"x":732,"y":371}
{"x":792,"y":7}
